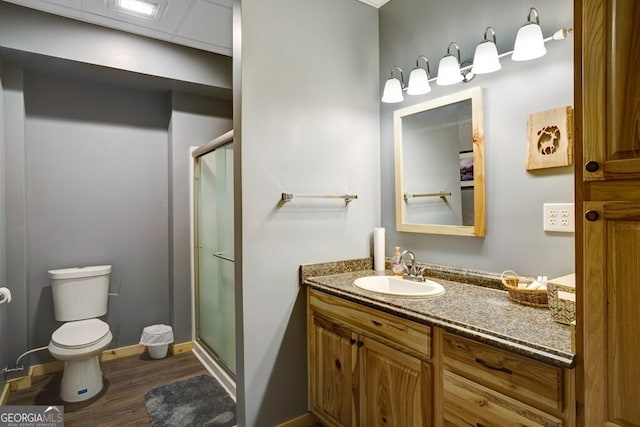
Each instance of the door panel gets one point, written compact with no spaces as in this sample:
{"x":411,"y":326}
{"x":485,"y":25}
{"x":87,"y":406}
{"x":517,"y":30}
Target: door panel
{"x":611,"y":295}
{"x":333,"y":375}
{"x":393,"y":389}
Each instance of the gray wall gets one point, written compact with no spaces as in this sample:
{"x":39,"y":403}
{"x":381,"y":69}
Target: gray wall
{"x":182,"y":119}
{"x":15,"y":239}
{"x":310,"y":117}
{"x":96,"y":193}
{"x":3,"y":256}
{"x":100,"y":174}
{"x":515,"y":238}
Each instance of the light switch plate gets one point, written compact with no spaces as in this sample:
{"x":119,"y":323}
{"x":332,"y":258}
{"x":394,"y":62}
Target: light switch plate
{"x":559,"y":217}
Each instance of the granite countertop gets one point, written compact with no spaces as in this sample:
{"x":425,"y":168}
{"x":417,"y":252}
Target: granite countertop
{"x":477,"y":312}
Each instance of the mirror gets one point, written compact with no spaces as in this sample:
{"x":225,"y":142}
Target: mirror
{"x":439,"y":165}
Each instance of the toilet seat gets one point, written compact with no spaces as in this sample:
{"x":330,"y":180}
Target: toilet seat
{"x":80,"y":333}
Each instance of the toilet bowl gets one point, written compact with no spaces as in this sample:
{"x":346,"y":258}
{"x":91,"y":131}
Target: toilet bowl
{"x":79,"y":344}
{"x":80,"y":296}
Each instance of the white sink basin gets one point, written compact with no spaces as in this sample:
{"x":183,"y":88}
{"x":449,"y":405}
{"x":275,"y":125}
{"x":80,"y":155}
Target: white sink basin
{"x":391,"y":285}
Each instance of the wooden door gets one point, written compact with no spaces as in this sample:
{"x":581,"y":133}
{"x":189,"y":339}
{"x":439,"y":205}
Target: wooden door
{"x":332,"y":372}
{"x":608,"y":193}
{"x":611,"y":89}
{"x":395,"y":388}
{"x":611,"y":316}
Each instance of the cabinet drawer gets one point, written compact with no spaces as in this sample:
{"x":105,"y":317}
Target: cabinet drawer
{"x":465,"y":403}
{"x":517,"y":376}
{"x":413,"y":338}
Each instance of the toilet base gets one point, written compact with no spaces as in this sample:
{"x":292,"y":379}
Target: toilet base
{"x":81,"y":380}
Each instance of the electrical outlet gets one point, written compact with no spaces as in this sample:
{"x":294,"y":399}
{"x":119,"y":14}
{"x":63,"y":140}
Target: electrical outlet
{"x":559,"y":217}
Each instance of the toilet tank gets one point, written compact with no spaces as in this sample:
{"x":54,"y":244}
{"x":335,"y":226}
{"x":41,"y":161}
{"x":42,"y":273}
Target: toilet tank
{"x":80,"y":293}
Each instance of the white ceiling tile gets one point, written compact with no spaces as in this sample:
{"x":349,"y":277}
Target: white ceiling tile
{"x":168,"y":21}
{"x":68,"y":8}
{"x":208,"y":22}
{"x":201,"y":24}
{"x":75,"y":4}
{"x":126,"y":26}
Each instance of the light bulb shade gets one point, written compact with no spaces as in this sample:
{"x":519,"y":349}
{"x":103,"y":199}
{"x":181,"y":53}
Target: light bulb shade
{"x":448,"y":71}
{"x":392,"y":91}
{"x":418,"y":82}
{"x":486,"y":60}
{"x":529,"y":43}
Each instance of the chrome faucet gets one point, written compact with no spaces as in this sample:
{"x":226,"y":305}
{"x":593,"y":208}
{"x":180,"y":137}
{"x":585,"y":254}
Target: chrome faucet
{"x":412,"y":271}
{"x":409,"y":271}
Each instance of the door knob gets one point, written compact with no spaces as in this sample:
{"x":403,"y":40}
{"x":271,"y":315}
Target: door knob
{"x":591,"y":215}
{"x":592,"y":166}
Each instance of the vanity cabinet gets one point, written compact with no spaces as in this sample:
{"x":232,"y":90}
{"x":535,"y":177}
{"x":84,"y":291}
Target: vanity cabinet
{"x":367,"y":368}
{"x":608,"y":201}
{"x":370,"y":368}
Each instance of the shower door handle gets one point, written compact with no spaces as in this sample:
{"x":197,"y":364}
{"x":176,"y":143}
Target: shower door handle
{"x":219,"y":255}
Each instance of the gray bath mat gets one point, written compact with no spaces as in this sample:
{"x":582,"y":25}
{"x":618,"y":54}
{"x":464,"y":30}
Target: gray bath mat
{"x":198,"y":401}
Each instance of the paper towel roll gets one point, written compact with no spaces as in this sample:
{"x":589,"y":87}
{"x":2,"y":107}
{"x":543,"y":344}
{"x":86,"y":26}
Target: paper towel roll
{"x":5,"y":295}
{"x":378,"y":249}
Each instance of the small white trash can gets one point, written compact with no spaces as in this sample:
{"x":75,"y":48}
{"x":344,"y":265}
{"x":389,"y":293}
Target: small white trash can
{"x":157,"y":339}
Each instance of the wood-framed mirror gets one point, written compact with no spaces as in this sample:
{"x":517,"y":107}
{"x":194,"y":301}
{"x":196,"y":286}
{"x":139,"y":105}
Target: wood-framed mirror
{"x":439,"y":165}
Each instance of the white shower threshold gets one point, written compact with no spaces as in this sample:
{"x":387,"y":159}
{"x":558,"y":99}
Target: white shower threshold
{"x":215,"y":370}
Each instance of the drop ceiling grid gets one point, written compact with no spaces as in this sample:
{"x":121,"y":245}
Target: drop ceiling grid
{"x":198,"y":25}
{"x":202,"y":24}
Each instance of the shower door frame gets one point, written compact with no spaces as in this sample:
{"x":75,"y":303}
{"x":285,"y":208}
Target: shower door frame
{"x":207,"y":356}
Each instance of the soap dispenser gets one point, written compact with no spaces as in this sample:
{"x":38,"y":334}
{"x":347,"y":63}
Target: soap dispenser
{"x":396,"y":265}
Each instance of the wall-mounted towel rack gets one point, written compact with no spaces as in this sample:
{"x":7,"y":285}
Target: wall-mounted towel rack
{"x":443,"y":195}
{"x":287,"y":197}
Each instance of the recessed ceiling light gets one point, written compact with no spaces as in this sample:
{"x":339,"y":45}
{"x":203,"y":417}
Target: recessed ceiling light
{"x":139,"y":8}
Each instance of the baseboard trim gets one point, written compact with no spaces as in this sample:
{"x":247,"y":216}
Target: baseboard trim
{"x":46,"y":368}
{"x":306,"y":420}
{"x":120,"y":352}
{"x":57,"y":365}
{"x":180,"y":348}
{"x":4,"y":394}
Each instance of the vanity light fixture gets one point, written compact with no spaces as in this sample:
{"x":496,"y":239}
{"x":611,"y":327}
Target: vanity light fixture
{"x":529,"y":45}
{"x":419,"y":78}
{"x":529,"y":41}
{"x":139,"y":8}
{"x":393,"y":88}
{"x":449,"y":68}
{"x":485,"y":59}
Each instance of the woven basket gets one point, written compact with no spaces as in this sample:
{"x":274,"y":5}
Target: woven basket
{"x":563,"y":310}
{"x":532,"y":297}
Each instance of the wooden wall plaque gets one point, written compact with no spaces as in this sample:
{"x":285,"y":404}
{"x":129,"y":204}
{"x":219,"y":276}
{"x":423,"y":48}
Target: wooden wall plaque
{"x":550,"y":138}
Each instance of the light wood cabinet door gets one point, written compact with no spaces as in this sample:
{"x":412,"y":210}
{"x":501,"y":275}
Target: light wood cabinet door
{"x":395,"y":388}
{"x":466,"y":403}
{"x":520,"y":377}
{"x":611,"y":89}
{"x":611,"y":313}
{"x":333,"y":376}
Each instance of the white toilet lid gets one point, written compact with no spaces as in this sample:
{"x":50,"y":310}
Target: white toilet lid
{"x":81,"y":333}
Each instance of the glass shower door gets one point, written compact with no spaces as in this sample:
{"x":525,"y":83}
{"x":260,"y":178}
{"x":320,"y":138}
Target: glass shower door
{"x":215,"y":276}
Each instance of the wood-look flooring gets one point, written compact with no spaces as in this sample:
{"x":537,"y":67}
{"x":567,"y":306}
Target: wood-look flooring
{"x":121,"y":402}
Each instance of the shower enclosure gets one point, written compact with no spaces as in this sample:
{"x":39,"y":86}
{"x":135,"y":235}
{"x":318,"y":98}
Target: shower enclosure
{"x":214,"y":276}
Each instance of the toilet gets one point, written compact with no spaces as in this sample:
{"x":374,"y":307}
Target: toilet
{"x":80,"y":296}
